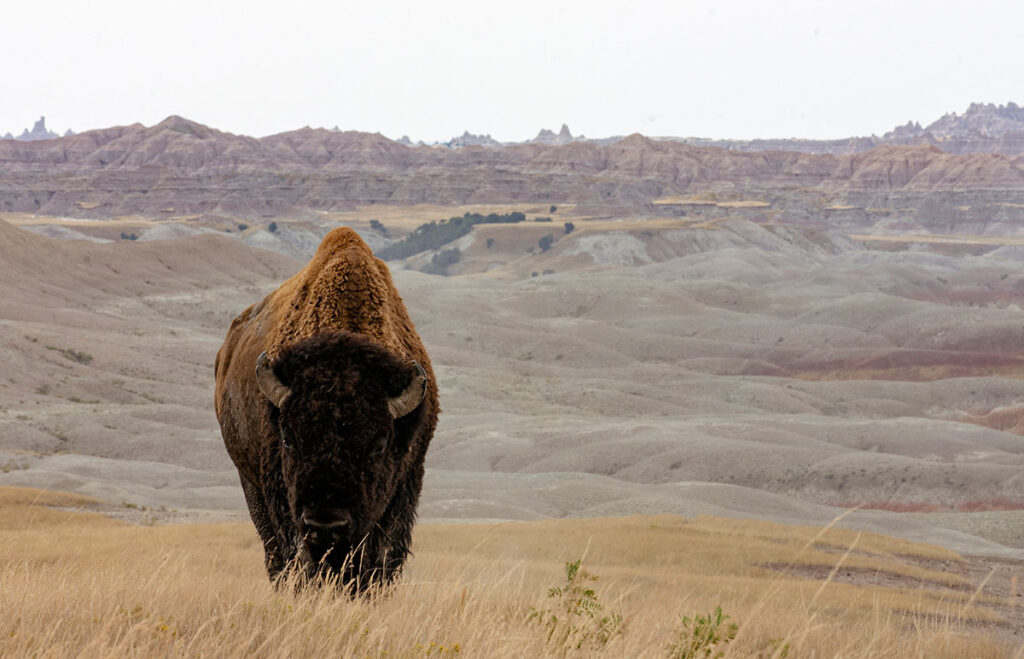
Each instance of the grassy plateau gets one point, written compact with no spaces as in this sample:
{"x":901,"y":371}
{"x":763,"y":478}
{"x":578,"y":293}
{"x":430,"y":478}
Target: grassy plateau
{"x":76,"y":583}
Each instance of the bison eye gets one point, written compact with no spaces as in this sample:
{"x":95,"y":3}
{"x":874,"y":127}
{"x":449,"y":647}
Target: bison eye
{"x":379,"y":447}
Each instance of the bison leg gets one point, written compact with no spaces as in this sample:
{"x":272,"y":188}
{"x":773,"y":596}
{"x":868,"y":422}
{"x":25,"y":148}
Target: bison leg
{"x":273,"y":559}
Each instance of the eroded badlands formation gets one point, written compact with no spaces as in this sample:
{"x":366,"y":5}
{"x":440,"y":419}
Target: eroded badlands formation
{"x":735,"y":367}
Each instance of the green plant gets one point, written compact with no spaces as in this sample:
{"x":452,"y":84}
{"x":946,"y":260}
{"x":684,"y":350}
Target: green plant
{"x":72,"y":354}
{"x":780,"y":648}
{"x":577,"y":620}
{"x":545,"y":242}
{"x":703,"y":636}
{"x":78,"y":356}
{"x":438,"y":649}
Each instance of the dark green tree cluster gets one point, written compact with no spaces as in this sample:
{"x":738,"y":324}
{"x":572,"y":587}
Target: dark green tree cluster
{"x":545,"y":242}
{"x":439,"y":264}
{"x":433,"y":235}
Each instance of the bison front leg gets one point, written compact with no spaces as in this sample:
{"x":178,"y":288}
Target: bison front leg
{"x":273,"y":558}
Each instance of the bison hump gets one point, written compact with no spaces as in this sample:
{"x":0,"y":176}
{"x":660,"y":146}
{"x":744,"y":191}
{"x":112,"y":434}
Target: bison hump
{"x":343,"y":287}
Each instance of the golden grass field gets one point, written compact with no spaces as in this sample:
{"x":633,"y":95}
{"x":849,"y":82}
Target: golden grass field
{"x":75,"y":583}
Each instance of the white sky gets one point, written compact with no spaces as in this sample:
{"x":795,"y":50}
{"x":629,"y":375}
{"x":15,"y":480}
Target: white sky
{"x":433,"y":68}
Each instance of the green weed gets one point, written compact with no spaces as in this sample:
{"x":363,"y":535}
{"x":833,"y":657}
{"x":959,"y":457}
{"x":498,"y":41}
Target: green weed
{"x":703,"y":636}
{"x":576,"y":621}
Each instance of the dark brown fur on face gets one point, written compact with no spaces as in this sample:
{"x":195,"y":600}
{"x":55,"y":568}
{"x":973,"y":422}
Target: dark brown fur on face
{"x":341,"y":451}
{"x":331,"y":478}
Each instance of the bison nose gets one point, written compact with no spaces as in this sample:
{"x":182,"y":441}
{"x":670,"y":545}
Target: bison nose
{"x":334,"y":518}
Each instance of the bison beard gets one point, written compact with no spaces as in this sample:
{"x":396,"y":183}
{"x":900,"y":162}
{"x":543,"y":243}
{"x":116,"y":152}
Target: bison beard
{"x":327,"y":402}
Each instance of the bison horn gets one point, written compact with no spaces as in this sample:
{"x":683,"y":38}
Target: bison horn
{"x":409,"y":399}
{"x":268,"y":383}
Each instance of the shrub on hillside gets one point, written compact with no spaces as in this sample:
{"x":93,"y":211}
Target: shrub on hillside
{"x":436,"y":234}
{"x":439,"y":264}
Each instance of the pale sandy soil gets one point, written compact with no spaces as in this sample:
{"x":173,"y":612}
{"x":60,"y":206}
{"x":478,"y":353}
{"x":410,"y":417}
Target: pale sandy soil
{"x":729,"y":369}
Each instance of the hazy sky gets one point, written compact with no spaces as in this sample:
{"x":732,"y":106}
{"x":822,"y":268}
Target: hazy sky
{"x":431,"y":69}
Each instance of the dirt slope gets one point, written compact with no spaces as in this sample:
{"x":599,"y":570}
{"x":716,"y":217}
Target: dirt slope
{"x":731,"y":369}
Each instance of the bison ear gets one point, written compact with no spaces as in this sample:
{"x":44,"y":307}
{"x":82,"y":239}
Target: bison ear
{"x":408,"y":400}
{"x":268,"y":383}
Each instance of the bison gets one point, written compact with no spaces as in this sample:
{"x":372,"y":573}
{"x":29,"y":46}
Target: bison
{"x":327,"y":402}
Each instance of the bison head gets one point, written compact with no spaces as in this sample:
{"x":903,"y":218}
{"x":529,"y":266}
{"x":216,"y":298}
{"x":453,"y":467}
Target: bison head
{"x":343,"y":407}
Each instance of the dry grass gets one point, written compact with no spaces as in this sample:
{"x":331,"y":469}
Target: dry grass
{"x":76,"y":583}
{"x":30,"y":219}
{"x":407,"y":218}
{"x":398,"y":219}
{"x":744,"y":203}
{"x":938,"y":238}
{"x":971,"y":506}
{"x":677,"y":200}
{"x":701,"y":201}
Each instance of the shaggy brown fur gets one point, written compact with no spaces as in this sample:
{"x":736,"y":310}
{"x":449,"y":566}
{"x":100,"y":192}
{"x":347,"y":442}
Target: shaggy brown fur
{"x":339,"y":337}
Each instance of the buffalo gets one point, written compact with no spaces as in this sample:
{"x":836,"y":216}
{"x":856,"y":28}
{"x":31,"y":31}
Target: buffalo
{"x":327,"y":402}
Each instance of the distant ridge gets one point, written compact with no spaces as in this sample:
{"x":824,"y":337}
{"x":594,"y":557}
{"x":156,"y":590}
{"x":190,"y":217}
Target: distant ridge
{"x":181,"y":167}
{"x":545,"y":136}
{"x":982,"y":128}
{"x":38,"y":132}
